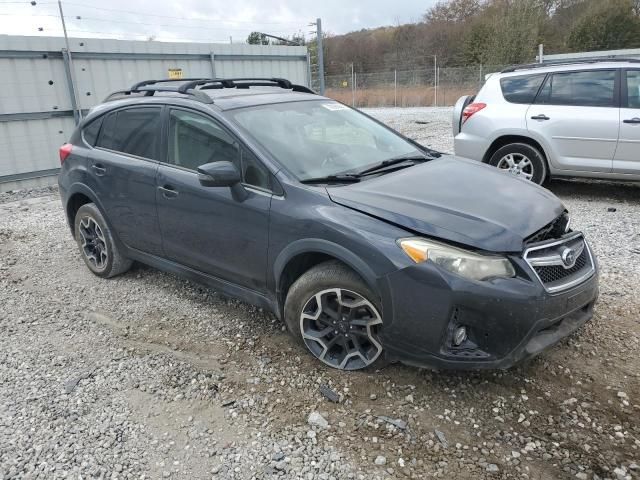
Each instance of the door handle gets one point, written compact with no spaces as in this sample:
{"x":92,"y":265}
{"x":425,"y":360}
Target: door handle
{"x":99,"y":169}
{"x":168,"y":191}
{"x":632,"y":120}
{"x":542,"y":116}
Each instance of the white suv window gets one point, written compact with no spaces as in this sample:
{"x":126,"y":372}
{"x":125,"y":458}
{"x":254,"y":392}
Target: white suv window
{"x":633,"y":88}
{"x":589,"y":88}
{"x":521,"y":89}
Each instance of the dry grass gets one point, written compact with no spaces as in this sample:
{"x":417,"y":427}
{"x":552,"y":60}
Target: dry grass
{"x":407,"y":96}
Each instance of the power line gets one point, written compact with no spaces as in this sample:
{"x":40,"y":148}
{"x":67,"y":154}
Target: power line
{"x":203,"y":19}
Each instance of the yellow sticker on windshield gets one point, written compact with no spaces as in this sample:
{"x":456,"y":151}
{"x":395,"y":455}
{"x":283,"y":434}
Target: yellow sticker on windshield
{"x":335,"y":106}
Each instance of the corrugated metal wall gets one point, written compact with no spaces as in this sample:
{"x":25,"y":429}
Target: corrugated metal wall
{"x":36,"y":105}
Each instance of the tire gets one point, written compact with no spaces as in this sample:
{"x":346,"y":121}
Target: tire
{"x":349,"y":315}
{"x":508,"y":158}
{"x":95,"y":242}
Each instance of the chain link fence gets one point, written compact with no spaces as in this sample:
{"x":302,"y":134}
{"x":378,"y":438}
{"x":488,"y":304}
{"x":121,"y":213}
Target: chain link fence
{"x":407,"y":88}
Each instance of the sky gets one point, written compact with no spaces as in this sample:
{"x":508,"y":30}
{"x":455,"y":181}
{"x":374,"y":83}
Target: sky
{"x":203,"y":21}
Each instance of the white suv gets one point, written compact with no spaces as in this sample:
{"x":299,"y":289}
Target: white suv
{"x":555,"y":120}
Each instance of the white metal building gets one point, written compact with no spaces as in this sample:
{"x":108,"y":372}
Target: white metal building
{"x":41,"y":96}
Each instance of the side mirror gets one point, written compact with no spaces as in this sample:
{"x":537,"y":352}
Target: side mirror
{"x":218,"y":174}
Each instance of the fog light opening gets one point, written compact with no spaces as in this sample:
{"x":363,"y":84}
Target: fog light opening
{"x":459,"y":336}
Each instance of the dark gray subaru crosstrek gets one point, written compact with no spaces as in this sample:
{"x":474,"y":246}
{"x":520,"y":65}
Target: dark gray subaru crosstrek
{"x":366,"y":243}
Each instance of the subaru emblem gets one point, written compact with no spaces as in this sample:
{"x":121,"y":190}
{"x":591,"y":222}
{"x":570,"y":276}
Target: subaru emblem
{"x":568,"y":257}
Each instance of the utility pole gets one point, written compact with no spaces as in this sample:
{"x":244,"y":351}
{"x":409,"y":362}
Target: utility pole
{"x":320,"y":54}
{"x":72,"y":73}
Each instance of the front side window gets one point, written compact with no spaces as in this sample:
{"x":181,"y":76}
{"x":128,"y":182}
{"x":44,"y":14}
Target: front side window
{"x":585,"y":89}
{"x":134,"y":131}
{"x":195,"y":140}
{"x":633,"y":89}
{"x":320,"y":138}
{"x":521,"y":89}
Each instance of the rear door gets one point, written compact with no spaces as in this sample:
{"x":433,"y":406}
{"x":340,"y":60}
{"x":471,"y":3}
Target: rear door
{"x":123,"y":168}
{"x":211,"y":229}
{"x":576,"y":118}
{"x":627,"y":158}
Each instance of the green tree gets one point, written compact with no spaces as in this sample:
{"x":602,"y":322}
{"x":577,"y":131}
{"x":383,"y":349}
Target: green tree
{"x":257,"y":38}
{"x":607,"y":26}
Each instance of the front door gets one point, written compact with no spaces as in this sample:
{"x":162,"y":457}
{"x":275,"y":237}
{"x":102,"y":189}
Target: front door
{"x":576,"y":117}
{"x":211,"y":229}
{"x":122,"y":173}
{"x":627,"y":159}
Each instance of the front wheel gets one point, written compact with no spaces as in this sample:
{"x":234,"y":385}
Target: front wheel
{"x":521,"y":160}
{"x":333,"y":313}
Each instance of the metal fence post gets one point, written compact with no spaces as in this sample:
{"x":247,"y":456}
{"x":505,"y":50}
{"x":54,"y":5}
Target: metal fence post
{"x":213,"y":65}
{"x":70,"y":85}
{"x":395,"y":88}
{"x":355,"y":85}
{"x":309,"y":79}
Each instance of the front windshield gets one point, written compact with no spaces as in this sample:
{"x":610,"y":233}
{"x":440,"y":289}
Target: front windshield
{"x":315,"y":139}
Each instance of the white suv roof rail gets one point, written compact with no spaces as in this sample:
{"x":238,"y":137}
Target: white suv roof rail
{"x":568,"y":62}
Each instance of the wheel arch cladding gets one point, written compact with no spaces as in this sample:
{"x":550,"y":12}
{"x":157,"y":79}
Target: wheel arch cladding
{"x":506,"y":140}
{"x":302,"y":255}
{"x":79,"y":195}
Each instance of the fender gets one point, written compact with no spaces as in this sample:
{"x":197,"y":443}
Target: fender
{"x":317,"y":245}
{"x":78,"y":187}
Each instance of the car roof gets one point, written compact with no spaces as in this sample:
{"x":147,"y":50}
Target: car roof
{"x":570,"y":65}
{"x":224,"y":99}
{"x":230,"y":98}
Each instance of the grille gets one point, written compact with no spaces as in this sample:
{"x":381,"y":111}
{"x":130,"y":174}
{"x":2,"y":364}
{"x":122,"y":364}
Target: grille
{"x":556,"y":273}
{"x":547,"y":261}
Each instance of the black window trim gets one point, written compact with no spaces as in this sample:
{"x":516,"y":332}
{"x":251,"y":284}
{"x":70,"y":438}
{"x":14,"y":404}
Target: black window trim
{"x":277,"y":190}
{"x":129,"y":107}
{"x":616,"y":87}
{"x":624,"y":88}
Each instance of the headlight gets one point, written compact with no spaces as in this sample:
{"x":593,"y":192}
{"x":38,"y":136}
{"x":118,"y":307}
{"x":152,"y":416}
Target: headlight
{"x":462,"y":262}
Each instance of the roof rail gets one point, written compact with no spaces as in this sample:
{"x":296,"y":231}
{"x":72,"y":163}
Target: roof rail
{"x":242,"y":82}
{"x":528,"y":66}
{"x":190,"y":86}
{"x":148,"y":88}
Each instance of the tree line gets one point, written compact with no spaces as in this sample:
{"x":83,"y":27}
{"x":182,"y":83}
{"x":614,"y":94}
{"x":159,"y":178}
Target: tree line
{"x":487,"y":32}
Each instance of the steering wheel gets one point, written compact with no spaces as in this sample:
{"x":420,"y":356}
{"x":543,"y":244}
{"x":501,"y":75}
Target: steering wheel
{"x":336,"y":157}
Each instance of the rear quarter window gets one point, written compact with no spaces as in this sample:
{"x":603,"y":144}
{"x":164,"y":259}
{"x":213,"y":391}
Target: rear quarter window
{"x":521,"y":89}
{"x":91,"y":130}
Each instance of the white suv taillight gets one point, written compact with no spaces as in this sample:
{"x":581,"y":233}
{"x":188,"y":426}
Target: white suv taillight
{"x":471,"y":109}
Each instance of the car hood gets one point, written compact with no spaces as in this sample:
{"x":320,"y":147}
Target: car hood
{"x":457,"y":200}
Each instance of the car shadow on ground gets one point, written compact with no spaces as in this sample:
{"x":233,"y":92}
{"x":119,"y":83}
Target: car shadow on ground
{"x":595,"y":189}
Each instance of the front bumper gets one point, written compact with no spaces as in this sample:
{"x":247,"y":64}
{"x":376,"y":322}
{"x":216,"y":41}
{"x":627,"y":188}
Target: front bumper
{"x":507,"y":320}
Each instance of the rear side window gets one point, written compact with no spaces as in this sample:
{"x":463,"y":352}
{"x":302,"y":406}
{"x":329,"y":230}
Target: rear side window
{"x":90,"y":132}
{"x":585,"y":89}
{"x":134,"y":131}
{"x":633,"y":89}
{"x":522,"y":89}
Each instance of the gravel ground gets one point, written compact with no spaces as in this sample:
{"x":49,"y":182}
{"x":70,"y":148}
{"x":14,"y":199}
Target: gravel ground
{"x":150,"y":376}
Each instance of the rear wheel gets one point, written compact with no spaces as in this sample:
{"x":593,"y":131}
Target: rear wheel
{"x":333,"y":313}
{"x":521,"y":160}
{"x":95,"y":241}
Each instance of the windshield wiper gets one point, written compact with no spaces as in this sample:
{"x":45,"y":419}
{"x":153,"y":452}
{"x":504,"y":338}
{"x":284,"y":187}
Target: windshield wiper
{"x":338,"y":178}
{"x":393,"y":161}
